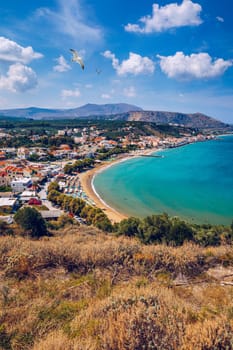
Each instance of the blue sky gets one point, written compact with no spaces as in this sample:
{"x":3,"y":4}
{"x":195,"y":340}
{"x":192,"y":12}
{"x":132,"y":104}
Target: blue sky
{"x":159,"y":55}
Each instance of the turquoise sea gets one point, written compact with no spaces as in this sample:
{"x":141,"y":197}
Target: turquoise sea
{"x":194,"y":182}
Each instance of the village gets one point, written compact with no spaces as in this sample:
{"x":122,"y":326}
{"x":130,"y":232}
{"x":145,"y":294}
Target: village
{"x":26,"y":171}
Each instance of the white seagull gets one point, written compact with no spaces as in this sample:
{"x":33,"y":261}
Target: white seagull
{"x":77,"y":58}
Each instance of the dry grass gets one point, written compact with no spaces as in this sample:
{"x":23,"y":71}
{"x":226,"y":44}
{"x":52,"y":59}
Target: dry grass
{"x":86,"y":290}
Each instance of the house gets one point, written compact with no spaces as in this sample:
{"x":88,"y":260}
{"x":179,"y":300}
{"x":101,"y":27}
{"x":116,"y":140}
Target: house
{"x":27,"y":195}
{"x":108,"y":144}
{"x":61,"y":132}
{"x":7,"y":205}
{"x":65,"y":147}
{"x":51,"y":214}
{"x":23,"y":153}
{"x":4,"y":180}
{"x":78,"y":139}
{"x":2,"y":155}
{"x":6,"y":194}
{"x":20,"y":185}
{"x":13,"y":171}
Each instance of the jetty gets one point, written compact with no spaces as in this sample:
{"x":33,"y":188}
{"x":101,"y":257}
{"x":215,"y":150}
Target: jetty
{"x":151,"y":155}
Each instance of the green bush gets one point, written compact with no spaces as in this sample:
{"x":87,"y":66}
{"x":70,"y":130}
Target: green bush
{"x":31,"y":222}
{"x":173,"y":231}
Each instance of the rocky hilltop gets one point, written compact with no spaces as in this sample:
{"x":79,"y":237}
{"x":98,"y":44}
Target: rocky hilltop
{"x":196,"y":120}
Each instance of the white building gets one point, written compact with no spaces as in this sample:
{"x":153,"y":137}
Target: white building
{"x":27,"y":195}
{"x":23,"y":153}
{"x":61,"y":132}
{"x":20,"y":185}
{"x":7,"y":203}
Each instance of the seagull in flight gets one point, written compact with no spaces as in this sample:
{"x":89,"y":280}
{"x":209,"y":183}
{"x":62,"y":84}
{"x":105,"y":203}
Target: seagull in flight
{"x":77,"y":58}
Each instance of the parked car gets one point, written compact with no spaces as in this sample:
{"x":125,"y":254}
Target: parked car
{"x":80,"y":220}
{"x":34,"y":201}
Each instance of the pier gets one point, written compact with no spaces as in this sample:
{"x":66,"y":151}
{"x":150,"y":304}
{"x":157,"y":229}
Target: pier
{"x":151,"y":155}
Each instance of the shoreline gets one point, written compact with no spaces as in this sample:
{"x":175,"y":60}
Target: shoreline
{"x":87,"y":179}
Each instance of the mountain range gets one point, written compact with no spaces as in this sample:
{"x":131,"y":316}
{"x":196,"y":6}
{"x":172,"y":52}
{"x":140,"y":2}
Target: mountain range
{"x":118,"y":111}
{"x":83,"y":111}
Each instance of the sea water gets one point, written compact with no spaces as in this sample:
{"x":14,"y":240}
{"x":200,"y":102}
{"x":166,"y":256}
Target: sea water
{"x":194,"y":182}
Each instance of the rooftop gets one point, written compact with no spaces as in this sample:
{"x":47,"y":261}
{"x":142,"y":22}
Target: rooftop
{"x":7,"y":202}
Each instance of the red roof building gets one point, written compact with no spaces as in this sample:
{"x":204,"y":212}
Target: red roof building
{"x":34,"y":201}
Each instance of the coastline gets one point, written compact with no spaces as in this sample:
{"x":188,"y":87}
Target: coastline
{"x":87,"y":179}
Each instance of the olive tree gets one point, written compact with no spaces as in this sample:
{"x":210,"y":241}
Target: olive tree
{"x":31,"y":222}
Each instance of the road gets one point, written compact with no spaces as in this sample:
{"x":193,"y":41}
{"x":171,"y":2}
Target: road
{"x":43,"y":197}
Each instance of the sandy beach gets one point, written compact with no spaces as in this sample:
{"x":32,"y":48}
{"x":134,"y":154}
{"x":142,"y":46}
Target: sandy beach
{"x":86,"y":179}
{"x":86,"y":183}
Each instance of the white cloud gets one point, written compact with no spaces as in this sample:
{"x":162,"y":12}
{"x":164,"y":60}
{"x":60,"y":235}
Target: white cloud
{"x":130,"y":91}
{"x":168,"y":16}
{"x":135,"y":64}
{"x":105,"y":96}
{"x":88,"y":86}
{"x":19,"y":78}
{"x":70,"y":93}
{"x":195,"y":66}
{"x":220,"y":19}
{"x":10,"y":51}
{"x":71,"y":20}
{"x":62,"y":65}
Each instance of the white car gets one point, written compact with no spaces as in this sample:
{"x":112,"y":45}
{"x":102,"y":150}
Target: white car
{"x":80,"y":220}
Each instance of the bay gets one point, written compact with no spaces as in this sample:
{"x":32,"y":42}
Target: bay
{"x":194,"y":182}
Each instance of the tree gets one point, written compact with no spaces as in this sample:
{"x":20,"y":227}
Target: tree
{"x":76,"y":206}
{"x":53,"y":196}
{"x":31,"y":221}
{"x":155,"y":228}
{"x":66,"y":202}
{"x":102,"y":222}
{"x":53,"y":186}
{"x":68,"y":169}
{"x":208,"y":236}
{"x":64,"y":220}
{"x":129,"y":227}
{"x":33,"y":157}
{"x":179,"y":232}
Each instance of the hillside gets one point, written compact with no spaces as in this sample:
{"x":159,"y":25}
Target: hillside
{"x":195,"y":120}
{"x":85,"y":290}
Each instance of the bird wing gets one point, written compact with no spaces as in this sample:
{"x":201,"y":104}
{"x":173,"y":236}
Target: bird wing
{"x":80,"y":61}
{"x":75,"y":54}
{"x":77,"y":58}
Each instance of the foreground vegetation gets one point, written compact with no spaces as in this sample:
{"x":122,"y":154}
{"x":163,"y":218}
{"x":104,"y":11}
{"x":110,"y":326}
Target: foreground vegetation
{"x":157,"y":283}
{"x":152,"y":229}
{"x":83,"y":289}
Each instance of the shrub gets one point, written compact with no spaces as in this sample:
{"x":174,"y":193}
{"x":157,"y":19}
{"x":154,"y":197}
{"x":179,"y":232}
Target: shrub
{"x":129,"y":227}
{"x":53,"y":186}
{"x":31,"y":221}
